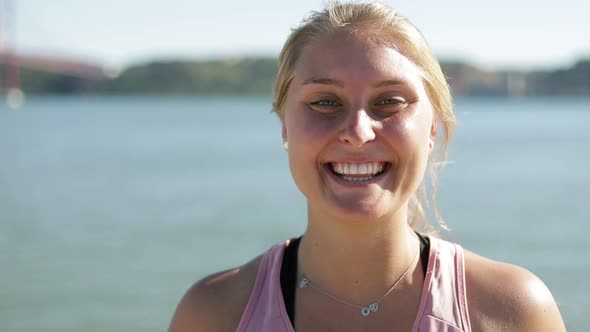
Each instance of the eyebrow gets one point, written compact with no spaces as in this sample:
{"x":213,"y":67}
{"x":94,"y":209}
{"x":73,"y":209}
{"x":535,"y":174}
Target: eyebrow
{"x":391,"y":83}
{"x":323,"y":81}
{"x":329,"y":81}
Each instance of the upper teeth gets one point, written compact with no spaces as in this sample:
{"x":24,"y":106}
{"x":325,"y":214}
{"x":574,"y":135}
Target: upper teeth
{"x":358,"y":169}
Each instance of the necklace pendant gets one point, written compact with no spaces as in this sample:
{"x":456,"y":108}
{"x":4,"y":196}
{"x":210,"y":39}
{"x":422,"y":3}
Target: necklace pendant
{"x":365,"y":311}
{"x":303,"y":283}
{"x":374,"y":307}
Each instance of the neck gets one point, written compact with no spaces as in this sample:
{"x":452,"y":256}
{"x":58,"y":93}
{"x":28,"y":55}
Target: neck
{"x":357,"y":261}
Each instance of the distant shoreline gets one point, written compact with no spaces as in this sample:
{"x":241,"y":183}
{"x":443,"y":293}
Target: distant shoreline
{"x":255,"y":76}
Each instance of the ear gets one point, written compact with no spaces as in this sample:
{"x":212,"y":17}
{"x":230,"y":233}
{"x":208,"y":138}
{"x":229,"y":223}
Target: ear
{"x":433,"y":131}
{"x":284,"y":132}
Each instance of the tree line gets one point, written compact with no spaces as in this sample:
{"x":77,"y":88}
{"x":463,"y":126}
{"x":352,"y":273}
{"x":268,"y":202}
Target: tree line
{"x":255,"y":76}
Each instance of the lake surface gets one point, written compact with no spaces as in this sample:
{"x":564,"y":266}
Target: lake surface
{"x":111,"y":207}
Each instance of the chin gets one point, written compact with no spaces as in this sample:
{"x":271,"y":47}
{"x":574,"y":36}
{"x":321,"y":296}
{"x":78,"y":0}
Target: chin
{"x":361,"y":212}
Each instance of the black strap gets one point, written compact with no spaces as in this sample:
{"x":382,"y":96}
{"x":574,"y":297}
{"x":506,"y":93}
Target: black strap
{"x":288,"y":275}
{"x":289,"y":271}
{"x":424,"y":251}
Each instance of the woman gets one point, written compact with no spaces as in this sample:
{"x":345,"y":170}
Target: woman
{"x":361,"y":99}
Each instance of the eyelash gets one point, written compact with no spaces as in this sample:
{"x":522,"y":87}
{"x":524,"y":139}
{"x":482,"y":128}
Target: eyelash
{"x":321,"y":102}
{"x":392,"y":101}
{"x":330,"y":105}
{"x":325,"y":105}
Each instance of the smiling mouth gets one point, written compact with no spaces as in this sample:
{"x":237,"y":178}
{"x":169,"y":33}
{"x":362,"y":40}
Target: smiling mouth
{"x":358,"y":172}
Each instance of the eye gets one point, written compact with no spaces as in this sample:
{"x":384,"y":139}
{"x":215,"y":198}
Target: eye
{"x":390,"y":105}
{"x":325,"y":105}
{"x":394,"y":101}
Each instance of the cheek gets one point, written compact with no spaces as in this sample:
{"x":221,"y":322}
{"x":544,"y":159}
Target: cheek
{"x":304,"y":126}
{"x":409,"y":133}
{"x":406,"y":130}
{"x":304,"y":135}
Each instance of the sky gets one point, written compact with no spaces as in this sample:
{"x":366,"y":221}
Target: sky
{"x":492,"y":34}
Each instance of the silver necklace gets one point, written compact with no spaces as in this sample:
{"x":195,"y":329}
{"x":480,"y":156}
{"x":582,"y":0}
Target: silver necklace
{"x":365,"y":310}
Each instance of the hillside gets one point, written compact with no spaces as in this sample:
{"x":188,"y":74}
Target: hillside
{"x":255,"y":76}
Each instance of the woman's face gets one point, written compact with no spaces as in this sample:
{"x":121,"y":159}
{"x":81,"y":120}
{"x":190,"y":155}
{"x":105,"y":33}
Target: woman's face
{"x":359,"y":126}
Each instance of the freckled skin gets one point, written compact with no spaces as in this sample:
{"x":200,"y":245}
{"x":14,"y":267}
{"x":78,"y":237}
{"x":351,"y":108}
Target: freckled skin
{"x":358,"y":129}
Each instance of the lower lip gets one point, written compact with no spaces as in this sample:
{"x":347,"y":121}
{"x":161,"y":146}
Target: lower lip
{"x":357,"y":180}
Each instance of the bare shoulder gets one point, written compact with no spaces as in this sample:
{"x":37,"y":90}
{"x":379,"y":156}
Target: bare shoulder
{"x":506,"y":297}
{"x":216,"y":303}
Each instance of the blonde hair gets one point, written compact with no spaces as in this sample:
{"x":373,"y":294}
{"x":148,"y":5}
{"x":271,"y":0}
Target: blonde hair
{"x":384,"y":24}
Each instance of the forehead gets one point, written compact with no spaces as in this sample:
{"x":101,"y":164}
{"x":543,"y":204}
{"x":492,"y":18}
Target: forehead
{"x":353,"y":57}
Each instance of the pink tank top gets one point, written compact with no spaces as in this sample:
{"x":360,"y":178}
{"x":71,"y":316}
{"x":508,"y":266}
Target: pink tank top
{"x":443,"y":304}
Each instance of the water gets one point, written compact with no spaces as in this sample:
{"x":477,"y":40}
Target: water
{"x":110,"y":208}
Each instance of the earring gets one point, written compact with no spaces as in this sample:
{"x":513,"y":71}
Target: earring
{"x":286,"y":145}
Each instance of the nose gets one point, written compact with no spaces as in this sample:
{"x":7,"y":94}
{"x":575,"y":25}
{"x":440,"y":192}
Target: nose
{"x":358,"y":129}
